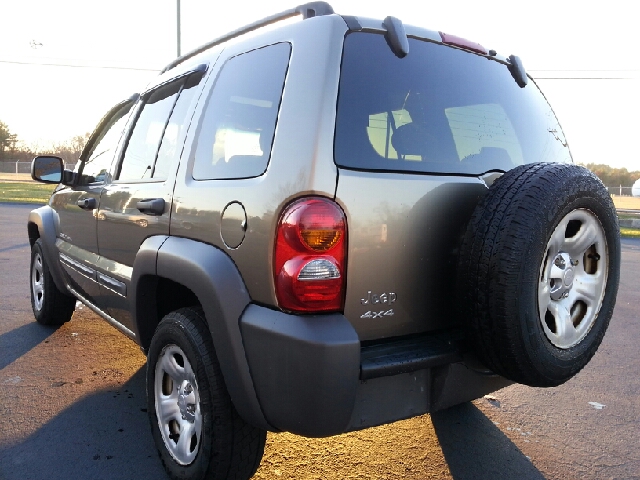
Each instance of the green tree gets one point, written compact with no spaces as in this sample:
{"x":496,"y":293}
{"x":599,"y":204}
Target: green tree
{"x":614,"y":177}
{"x":70,"y":150}
{"x":7,"y":140}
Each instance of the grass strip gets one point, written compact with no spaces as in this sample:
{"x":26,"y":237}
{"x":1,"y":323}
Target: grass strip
{"x":23,"y":192}
{"x":630,"y":232}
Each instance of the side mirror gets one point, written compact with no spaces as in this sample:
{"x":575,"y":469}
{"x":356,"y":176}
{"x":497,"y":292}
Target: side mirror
{"x":47,"y":169}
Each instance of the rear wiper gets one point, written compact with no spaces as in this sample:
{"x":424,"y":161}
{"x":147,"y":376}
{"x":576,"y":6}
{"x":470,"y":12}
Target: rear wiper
{"x":517,"y":71}
{"x":396,"y":37}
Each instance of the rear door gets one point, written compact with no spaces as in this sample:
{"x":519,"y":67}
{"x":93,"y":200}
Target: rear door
{"x":414,"y":139}
{"x":137,"y":203}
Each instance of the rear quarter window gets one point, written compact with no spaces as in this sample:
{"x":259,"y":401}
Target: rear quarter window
{"x":236,"y":133}
{"x":438,"y":110}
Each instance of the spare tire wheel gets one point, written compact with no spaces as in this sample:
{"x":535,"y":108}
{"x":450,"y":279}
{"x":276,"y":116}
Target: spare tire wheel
{"x":538,"y":272}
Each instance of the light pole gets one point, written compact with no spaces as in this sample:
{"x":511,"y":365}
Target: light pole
{"x":178,"y":25}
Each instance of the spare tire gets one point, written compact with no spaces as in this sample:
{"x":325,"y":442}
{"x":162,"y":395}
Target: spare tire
{"x":538,"y":272}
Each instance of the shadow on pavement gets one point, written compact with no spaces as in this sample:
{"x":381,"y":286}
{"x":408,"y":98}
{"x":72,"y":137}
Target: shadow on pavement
{"x":103,"y":436}
{"x":475,"y":448}
{"x":106,"y":435}
{"x":20,"y":340}
{"x":14,"y":247}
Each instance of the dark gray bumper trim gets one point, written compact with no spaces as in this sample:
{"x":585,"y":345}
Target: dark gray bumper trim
{"x":410,"y":354}
{"x":305,"y":369}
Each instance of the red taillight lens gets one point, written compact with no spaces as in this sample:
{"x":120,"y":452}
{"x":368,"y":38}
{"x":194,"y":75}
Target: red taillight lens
{"x":310,"y":251}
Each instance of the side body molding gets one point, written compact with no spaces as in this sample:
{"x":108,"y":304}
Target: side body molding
{"x":43,"y":222}
{"x":213,"y":277}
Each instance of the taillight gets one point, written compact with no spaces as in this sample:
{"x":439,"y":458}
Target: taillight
{"x":310,"y":252}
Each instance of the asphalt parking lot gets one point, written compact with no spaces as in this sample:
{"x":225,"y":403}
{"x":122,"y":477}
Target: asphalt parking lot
{"x":72,"y":405}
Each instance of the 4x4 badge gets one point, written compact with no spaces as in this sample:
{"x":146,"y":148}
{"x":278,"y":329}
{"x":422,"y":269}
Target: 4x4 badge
{"x":380,"y":314}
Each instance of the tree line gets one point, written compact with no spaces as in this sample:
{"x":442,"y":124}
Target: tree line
{"x":69,"y":150}
{"x":614,"y":177}
{"x":12,"y":148}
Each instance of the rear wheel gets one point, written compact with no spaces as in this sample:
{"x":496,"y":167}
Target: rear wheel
{"x":50,"y":306}
{"x":539,"y":271}
{"x":195,"y":426}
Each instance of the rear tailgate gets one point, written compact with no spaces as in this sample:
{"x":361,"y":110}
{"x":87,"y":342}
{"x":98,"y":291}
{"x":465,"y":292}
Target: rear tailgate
{"x":404,"y":233}
{"x":414,"y":137}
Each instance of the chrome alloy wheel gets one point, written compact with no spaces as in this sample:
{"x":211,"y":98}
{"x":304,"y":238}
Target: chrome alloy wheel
{"x":37,"y":282}
{"x":573,"y":277}
{"x":178,"y":405}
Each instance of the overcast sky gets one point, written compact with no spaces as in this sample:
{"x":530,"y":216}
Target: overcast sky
{"x":585,"y":59}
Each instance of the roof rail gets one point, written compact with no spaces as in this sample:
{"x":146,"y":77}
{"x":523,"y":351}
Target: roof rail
{"x":307,"y":10}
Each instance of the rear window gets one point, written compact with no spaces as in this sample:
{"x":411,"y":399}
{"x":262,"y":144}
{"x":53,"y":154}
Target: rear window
{"x":438,"y":110}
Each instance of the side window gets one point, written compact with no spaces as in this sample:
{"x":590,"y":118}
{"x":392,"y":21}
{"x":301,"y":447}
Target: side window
{"x":97,"y":165}
{"x":240,"y":115}
{"x":159,"y":132}
{"x":176,"y":130}
{"x":142,"y":147}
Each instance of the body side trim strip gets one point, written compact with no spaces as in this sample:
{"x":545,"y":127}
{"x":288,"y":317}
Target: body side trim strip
{"x":78,"y":267}
{"x":112,"y":284}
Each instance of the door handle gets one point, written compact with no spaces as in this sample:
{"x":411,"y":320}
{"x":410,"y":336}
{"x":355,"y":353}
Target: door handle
{"x":87,"y":203}
{"x":151,"y":206}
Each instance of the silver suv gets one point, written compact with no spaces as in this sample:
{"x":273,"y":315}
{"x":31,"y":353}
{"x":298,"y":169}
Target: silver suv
{"x":326,"y":226}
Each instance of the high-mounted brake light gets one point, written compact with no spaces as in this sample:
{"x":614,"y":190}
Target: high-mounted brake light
{"x":310,"y":254}
{"x":462,"y":43}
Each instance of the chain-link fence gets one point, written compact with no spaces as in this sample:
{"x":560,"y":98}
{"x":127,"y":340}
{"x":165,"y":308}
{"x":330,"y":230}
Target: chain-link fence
{"x":624,"y":191}
{"x":23,"y":167}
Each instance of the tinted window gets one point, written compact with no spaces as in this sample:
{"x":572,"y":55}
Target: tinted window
{"x":236,"y":133}
{"x":99,"y":159}
{"x":142,"y":147}
{"x":176,"y":129}
{"x":439,"y":109}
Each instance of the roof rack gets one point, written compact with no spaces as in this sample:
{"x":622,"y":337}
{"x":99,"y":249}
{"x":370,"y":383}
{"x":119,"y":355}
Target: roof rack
{"x":307,"y":10}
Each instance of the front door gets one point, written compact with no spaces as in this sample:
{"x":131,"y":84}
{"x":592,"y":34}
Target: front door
{"x":77,"y":205}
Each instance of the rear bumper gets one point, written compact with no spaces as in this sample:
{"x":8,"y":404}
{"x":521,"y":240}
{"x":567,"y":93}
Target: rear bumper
{"x":305,"y":369}
{"x":313,"y":378}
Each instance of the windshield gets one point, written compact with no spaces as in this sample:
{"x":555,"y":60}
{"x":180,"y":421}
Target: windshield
{"x":438,"y":110}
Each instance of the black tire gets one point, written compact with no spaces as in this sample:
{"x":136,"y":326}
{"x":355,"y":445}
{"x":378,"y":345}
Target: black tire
{"x":50,"y":306}
{"x":520,"y":272}
{"x":226,"y":446}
